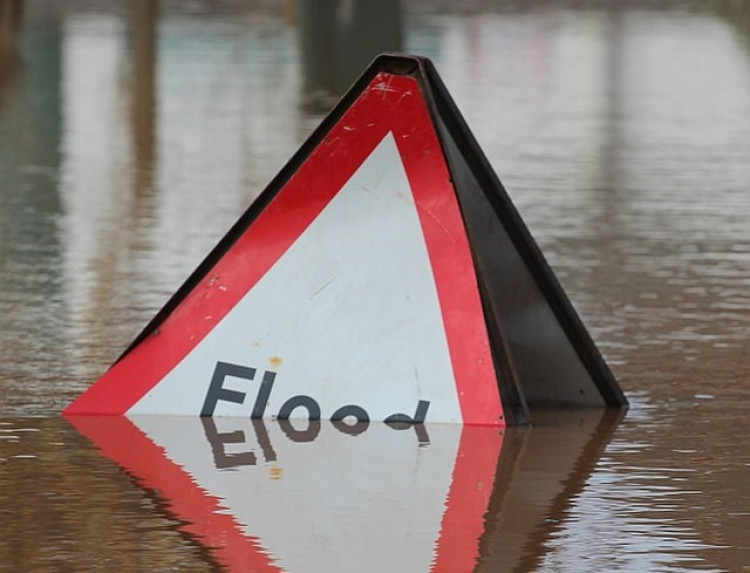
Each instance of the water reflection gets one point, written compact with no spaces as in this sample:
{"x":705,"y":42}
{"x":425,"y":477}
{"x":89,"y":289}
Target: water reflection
{"x":31,"y":126}
{"x":320,"y":496}
{"x":10,"y":19}
{"x":540,"y":474}
{"x":143,"y":35}
{"x":338,"y":38}
{"x":65,"y":507}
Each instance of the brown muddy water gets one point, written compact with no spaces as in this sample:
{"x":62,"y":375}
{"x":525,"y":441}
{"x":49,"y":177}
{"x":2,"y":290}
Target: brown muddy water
{"x":132,"y":135}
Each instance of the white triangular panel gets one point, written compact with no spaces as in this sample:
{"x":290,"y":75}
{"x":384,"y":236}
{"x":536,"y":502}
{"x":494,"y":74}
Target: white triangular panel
{"x":348,"y":315}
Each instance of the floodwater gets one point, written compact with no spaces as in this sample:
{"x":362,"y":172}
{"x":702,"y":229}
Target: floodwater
{"x":132,"y":135}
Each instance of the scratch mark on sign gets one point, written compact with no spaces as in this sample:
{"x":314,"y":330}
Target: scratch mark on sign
{"x":321,"y":289}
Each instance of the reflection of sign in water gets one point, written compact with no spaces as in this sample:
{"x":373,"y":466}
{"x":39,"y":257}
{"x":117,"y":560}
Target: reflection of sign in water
{"x":384,"y":267}
{"x":309,"y":496}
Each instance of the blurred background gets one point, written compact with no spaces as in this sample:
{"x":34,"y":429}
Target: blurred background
{"x":133,"y":134}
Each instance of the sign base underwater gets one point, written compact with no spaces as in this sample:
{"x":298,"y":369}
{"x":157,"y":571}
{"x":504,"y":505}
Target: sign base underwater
{"x":383,"y":275}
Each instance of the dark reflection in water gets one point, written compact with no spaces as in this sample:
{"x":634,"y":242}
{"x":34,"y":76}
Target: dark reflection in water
{"x":539,"y":474}
{"x":143,"y":37}
{"x":10,"y":19}
{"x":338,"y":39}
{"x":132,"y":136}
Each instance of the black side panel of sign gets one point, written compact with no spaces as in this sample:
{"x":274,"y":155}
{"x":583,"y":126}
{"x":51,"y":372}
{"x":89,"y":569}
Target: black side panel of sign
{"x":554,"y":359}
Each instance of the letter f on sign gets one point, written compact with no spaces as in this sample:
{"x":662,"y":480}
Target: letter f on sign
{"x":217,"y":392}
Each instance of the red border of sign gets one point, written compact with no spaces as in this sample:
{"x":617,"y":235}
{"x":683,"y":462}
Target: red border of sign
{"x":468,"y":500}
{"x":390,"y":103}
{"x":203,"y":515}
{"x":205,"y":518}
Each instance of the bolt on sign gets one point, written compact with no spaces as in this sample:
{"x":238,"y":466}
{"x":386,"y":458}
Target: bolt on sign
{"x":383,"y":275}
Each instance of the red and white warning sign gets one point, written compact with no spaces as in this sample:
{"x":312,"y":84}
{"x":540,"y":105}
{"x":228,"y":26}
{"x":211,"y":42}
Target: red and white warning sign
{"x":383,"y":275}
{"x":353,"y":288}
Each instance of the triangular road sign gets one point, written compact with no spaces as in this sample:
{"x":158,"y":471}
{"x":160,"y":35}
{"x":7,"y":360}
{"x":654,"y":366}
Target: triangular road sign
{"x":383,"y":275}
